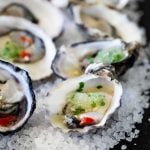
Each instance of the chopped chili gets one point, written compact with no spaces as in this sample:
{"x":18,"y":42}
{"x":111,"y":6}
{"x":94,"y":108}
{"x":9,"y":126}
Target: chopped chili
{"x":7,"y":120}
{"x":24,"y":54}
{"x":26,"y":39}
{"x":87,"y":121}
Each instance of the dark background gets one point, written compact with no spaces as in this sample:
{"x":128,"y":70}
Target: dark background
{"x":143,"y":141}
{"x":145,"y":20}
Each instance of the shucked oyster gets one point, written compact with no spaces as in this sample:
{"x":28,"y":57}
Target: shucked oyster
{"x":27,"y":46}
{"x":17,"y":100}
{"x":71,"y":61}
{"x":40,"y":12}
{"x":98,"y":22}
{"x":119,"y":4}
{"x":85,"y":102}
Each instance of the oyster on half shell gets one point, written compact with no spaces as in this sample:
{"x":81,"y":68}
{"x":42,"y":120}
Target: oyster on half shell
{"x":17,"y":100}
{"x":71,"y":61}
{"x":118,"y":4}
{"x":26,"y":45}
{"x":97,"y":21}
{"x":85,"y":102}
{"x":41,"y":12}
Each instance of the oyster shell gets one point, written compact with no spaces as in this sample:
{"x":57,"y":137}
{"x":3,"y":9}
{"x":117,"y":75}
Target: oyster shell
{"x":97,"y":19}
{"x":71,"y":61}
{"x":84,"y":102}
{"x":38,"y":11}
{"x":17,"y":100}
{"x":24,"y":44}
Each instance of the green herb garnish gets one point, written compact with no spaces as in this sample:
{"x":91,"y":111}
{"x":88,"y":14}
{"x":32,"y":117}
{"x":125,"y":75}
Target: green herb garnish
{"x":102,"y":103}
{"x":93,"y":104}
{"x":10,"y":51}
{"x":80,"y":102}
{"x":97,"y":98}
{"x":99,"y":86}
{"x":109,"y":56}
{"x":81,"y":86}
{"x":78,"y":110}
{"x":90,"y":59}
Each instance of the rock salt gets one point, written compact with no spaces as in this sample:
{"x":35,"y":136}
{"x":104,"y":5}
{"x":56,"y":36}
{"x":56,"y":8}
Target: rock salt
{"x":123,"y":147}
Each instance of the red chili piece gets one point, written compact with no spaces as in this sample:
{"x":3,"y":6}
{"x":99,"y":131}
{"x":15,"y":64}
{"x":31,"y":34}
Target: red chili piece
{"x":24,"y":54}
{"x":7,"y":120}
{"x":26,"y":39}
{"x":87,"y":121}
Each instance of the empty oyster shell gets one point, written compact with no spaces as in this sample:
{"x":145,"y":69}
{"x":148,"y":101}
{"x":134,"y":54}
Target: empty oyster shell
{"x":71,"y":61}
{"x":24,"y":44}
{"x":17,"y":100}
{"x":85,"y":102}
{"x":49,"y":18}
{"x":98,"y":22}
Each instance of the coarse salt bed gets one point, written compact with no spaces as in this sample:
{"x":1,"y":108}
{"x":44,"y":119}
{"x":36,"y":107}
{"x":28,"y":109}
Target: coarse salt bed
{"x":39,"y":134}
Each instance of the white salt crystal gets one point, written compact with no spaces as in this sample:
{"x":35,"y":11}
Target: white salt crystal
{"x":123,"y":147}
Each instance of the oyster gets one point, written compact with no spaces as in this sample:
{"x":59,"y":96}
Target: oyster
{"x":71,"y":61}
{"x":24,"y":44}
{"x":97,"y":19}
{"x":85,"y":102}
{"x":38,"y":11}
{"x":17,"y":100}
{"x":118,"y":4}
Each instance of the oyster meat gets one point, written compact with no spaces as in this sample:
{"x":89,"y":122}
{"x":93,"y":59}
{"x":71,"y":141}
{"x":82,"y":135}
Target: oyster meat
{"x":49,"y":18}
{"x":24,"y":44}
{"x":71,"y":61}
{"x":85,"y":102}
{"x":17,"y":100}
